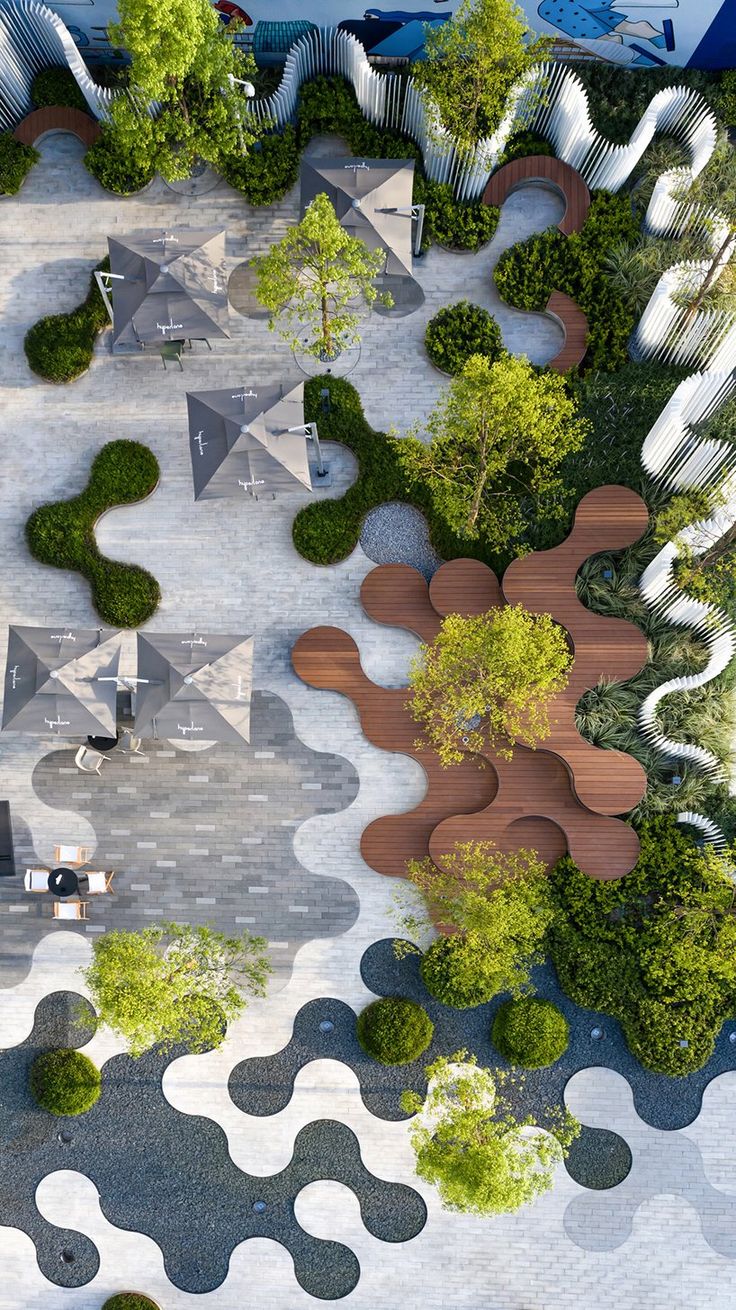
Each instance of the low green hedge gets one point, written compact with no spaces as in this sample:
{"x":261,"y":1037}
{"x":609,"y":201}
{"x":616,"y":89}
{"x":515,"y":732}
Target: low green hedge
{"x":57,"y":86}
{"x":530,"y":1032}
{"x":269,"y":170}
{"x":113,"y":168}
{"x":528,"y":273}
{"x":129,"y":1301}
{"x":59,"y":347}
{"x":62,"y":534}
{"x":456,"y":224}
{"x":394,"y":1030}
{"x":522,"y":144}
{"x":64,"y":1082}
{"x":459,"y":331}
{"x":455,"y":970}
{"x":16,"y":161}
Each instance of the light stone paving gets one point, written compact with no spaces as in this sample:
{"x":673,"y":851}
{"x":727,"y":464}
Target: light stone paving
{"x":233,"y":568}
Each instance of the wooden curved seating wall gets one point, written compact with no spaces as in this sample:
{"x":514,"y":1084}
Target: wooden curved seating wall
{"x":565,"y":795}
{"x":57,"y":118}
{"x":570,"y":185}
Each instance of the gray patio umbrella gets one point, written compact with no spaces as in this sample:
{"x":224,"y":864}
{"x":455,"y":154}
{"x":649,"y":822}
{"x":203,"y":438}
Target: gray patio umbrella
{"x":240,"y":440}
{"x":365,"y":194}
{"x":194,"y":687}
{"x":61,"y":681}
{"x":168,"y":286}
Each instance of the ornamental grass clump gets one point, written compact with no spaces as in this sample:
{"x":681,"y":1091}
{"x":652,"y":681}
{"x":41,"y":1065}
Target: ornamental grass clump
{"x":64,"y":1082}
{"x":394,"y":1030}
{"x":530,"y":1032}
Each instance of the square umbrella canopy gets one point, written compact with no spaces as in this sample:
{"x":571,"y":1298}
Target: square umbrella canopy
{"x":365,"y":193}
{"x":61,"y":682}
{"x":194,"y":687}
{"x":173,"y":285}
{"x":240,"y":440}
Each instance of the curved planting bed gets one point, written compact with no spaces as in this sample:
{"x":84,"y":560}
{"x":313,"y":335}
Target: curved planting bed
{"x":59,"y":347}
{"x":62,"y":534}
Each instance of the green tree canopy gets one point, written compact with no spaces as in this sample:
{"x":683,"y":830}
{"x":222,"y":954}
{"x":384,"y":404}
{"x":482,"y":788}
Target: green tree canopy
{"x":174,"y":983}
{"x":499,"y":902}
{"x":183,"y":59}
{"x":497,"y":437}
{"x":472,"y":62}
{"x":708,"y":574}
{"x":308,"y":280}
{"x":485,"y":682}
{"x":469,"y":1145}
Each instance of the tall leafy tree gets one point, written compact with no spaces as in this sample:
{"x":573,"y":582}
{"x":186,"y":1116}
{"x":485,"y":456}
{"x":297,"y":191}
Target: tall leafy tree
{"x":472,"y":62}
{"x":309,"y":280}
{"x":174,"y":983}
{"x":472,"y":1148}
{"x":497,"y":438}
{"x":485,"y":682}
{"x":182,"y":62}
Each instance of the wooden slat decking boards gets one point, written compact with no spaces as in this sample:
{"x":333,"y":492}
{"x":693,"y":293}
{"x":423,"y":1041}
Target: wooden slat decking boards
{"x":575,"y":327}
{"x":57,"y":118}
{"x":553,"y":172}
{"x":564,"y":795}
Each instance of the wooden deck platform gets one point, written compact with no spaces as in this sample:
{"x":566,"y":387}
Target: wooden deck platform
{"x":57,"y":118}
{"x":551,"y":172}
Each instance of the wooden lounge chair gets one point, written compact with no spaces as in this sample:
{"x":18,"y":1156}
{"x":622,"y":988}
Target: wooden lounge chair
{"x":98,"y":882}
{"x":71,"y":855}
{"x":36,"y":880}
{"x":70,"y":909}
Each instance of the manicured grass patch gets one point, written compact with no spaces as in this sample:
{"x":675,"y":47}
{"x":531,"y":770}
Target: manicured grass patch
{"x":57,"y":86}
{"x":530,"y":1032}
{"x":459,"y":331}
{"x":394,"y":1030}
{"x":16,"y":160}
{"x":62,"y":534}
{"x":59,"y":347}
{"x":64,"y":1082}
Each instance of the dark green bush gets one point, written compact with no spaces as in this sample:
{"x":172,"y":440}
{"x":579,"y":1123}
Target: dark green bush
{"x":656,"y":949}
{"x":394,"y":1030}
{"x":129,"y":1301}
{"x":459,"y":225}
{"x":522,"y":144}
{"x":62,"y":534}
{"x":455,"y":970}
{"x":16,"y":160}
{"x":57,"y":86}
{"x":528,"y":273}
{"x":530,"y":1032}
{"x":727,"y":103}
{"x":114,"y":168}
{"x":269,"y":170}
{"x":459,"y":331}
{"x":64,"y":1082}
{"x":59,"y":347}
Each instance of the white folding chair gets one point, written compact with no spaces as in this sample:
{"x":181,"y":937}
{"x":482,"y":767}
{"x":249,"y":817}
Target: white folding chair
{"x":70,"y":909}
{"x":89,"y":760}
{"x":130,"y":745}
{"x":98,"y":883}
{"x":71,"y":854}
{"x":36,"y":880}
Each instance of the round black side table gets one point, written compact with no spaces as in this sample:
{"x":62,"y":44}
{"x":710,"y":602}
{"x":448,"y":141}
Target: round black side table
{"x":63,"y":882}
{"x":103,"y":743}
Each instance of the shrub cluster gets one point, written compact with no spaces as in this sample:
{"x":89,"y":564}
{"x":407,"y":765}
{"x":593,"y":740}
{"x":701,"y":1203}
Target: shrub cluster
{"x":129,"y":1301}
{"x":64,"y":1082}
{"x":16,"y":160}
{"x":522,"y":144}
{"x":455,"y":970}
{"x":530,"y":1032}
{"x":57,"y":86}
{"x":458,"y":225}
{"x":59,"y":347}
{"x":269,"y":170}
{"x":459,"y":331}
{"x":656,"y":949}
{"x":62,"y":534}
{"x":394,"y":1030}
{"x":114,"y":169}
{"x":528,"y":273}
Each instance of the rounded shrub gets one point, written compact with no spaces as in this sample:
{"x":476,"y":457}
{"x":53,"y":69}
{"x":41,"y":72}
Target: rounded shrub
{"x":530,"y":1032}
{"x":129,"y":1301}
{"x":65,"y":1082}
{"x":269,"y":170}
{"x":456,"y":971}
{"x":115,"y":169}
{"x":459,"y":331}
{"x":59,"y":347}
{"x":394,"y":1030}
{"x":16,"y":160}
{"x":57,"y":86}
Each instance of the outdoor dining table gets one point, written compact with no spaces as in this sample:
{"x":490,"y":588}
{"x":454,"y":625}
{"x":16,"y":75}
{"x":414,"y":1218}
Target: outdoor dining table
{"x":63,"y":882}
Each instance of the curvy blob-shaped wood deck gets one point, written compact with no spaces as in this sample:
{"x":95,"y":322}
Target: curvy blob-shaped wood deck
{"x":560,"y":797}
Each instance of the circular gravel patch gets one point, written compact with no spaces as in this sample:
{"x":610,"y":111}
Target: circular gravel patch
{"x":598,"y":1159}
{"x":398,"y":534}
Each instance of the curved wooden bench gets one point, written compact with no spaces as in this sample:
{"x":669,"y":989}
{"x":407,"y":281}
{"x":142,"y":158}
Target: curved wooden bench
{"x":574,"y":324}
{"x":57,"y":118}
{"x":553,"y":172}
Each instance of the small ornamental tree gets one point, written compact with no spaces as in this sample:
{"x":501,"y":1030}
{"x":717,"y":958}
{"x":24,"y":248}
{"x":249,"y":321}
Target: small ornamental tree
{"x":472,"y":62}
{"x":174,"y":983}
{"x":470,"y":1146}
{"x":497,"y":437}
{"x":710,"y":573}
{"x":485,"y":682}
{"x":497,"y":904}
{"x":310,"y":277}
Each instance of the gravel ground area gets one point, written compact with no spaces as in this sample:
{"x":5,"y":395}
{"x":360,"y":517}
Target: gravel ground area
{"x":398,"y":534}
{"x":170,"y":1175}
{"x":264,"y":1085}
{"x":598,"y":1159}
